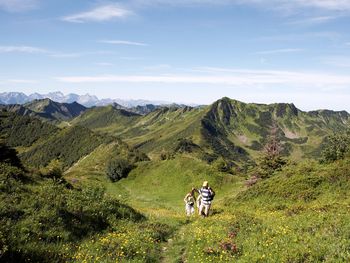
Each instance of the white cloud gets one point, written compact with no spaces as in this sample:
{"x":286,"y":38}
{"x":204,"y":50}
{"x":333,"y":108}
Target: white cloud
{"x":278,"y":51}
{"x":18,"y":5}
{"x":337,"y":61}
{"x":104,"y":64}
{"x":67,"y":55}
{"x":158,"y":67}
{"x":336,"y":5}
{"x":312,"y":20}
{"x":79,"y":54}
{"x":99,"y":14}
{"x":122,"y":42}
{"x":223,"y":76}
{"x":324,"y":35}
{"x":131,"y":58}
{"x":22,"y":49}
{"x":287,"y":5}
{"x":22,"y":81}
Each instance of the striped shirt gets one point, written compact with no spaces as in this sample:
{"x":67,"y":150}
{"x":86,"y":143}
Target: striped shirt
{"x":206,"y":195}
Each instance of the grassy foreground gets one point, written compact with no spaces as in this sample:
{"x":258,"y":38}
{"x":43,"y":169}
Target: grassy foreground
{"x":301,"y":214}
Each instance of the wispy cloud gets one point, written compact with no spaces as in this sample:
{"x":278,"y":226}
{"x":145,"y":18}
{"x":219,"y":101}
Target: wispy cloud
{"x":312,"y":20}
{"x":337,"y":61}
{"x":158,"y":67}
{"x":123,"y":42}
{"x":22,"y":49}
{"x":99,"y":14}
{"x":335,"y":5}
{"x":287,"y":5}
{"x":104,"y":64}
{"x":131,"y":58}
{"x":14,"y":6}
{"x":294,"y":6}
{"x":278,"y":51}
{"x":22,"y":81}
{"x":223,"y":76}
{"x":79,"y":54}
{"x":326,"y":35}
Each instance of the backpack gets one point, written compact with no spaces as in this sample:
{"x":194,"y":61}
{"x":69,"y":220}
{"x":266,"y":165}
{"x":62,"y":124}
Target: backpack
{"x":212,"y":194}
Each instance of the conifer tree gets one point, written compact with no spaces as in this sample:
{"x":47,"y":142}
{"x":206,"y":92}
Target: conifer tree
{"x":272,"y":159}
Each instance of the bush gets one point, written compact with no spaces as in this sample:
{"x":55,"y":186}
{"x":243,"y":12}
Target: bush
{"x":9,"y":155}
{"x":118,"y":169}
{"x":336,"y":147}
{"x":222,"y":165}
{"x":53,"y":170}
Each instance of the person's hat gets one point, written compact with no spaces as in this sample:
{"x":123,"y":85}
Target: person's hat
{"x":205,"y":183}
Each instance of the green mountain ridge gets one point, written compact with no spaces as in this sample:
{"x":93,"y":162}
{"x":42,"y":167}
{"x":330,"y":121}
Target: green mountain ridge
{"x":228,"y":128}
{"x":47,"y":110}
{"x":41,"y":142}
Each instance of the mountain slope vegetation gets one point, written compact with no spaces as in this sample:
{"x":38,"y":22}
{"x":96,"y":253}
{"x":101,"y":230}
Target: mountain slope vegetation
{"x":48,"y":220}
{"x":47,"y":110}
{"x":23,"y":130}
{"x":41,"y":142}
{"x":229,"y":129}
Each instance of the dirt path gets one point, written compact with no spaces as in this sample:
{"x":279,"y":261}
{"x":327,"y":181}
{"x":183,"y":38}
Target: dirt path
{"x":175,"y":248}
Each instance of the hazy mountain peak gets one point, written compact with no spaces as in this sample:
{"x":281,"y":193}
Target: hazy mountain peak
{"x":86,"y":99}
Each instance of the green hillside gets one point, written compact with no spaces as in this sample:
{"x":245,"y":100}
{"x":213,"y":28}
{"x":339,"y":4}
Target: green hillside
{"x":228,"y":128}
{"x":40,"y":142}
{"x":92,"y":167}
{"x":23,"y":130}
{"x":106,"y":118}
{"x":300,"y":214}
{"x":45,"y":219}
{"x":68,"y":145}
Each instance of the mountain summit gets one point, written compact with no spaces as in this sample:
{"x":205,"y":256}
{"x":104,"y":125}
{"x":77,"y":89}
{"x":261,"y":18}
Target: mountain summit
{"x":47,"y":109}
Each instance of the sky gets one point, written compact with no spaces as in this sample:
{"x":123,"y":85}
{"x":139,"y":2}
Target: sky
{"x":188,"y":51}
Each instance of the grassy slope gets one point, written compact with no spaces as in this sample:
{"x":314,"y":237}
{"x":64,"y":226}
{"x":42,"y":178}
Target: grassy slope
{"x":155,"y":184}
{"x":68,"y":145}
{"x":106,"y":119}
{"x":163,"y":184}
{"x":92,"y":166}
{"x":299,"y":215}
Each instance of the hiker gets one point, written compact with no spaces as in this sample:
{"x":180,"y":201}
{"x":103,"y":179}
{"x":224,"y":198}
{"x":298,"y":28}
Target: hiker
{"x":207,"y":194}
{"x":189,"y":200}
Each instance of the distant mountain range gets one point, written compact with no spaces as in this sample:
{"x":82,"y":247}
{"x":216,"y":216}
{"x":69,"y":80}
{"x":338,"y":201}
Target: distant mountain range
{"x":87,"y":100}
{"x":49,"y":110}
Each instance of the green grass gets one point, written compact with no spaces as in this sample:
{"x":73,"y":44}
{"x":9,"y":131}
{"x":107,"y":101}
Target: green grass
{"x":164,"y":184}
{"x":298,"y":215}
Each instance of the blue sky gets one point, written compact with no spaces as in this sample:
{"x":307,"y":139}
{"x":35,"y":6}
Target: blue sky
{"x":192,"y":51}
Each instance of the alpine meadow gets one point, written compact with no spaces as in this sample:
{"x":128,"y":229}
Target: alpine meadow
{"x":210,"y":131}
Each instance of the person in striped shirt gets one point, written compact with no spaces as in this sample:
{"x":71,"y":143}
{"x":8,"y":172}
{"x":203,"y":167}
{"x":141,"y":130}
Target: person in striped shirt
{"x":207,"y":195}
